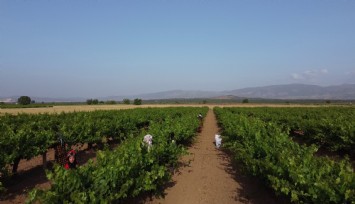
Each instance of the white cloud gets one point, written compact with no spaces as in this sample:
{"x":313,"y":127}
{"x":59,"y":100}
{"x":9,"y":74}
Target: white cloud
{"x":309,"y":75}
{"x":296,"y":76}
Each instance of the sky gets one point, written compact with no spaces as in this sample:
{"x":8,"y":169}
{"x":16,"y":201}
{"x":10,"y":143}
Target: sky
{"x":98,"y":48}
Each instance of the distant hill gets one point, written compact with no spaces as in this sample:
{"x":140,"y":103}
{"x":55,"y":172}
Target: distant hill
{"x":174,"y":94}
{"x":288,"y":91}
{"x":297,"y":91}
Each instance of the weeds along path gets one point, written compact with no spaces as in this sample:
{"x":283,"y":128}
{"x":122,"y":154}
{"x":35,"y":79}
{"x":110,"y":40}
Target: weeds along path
{"x":210,"y":177}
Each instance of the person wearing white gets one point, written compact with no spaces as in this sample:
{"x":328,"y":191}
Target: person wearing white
{"x":148,"y":140}
{"x":218,"y":140}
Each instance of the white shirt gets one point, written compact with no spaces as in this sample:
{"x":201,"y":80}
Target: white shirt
{"x":148,"y":139}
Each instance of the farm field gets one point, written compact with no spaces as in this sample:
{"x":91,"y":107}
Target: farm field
{"x":260,"y":140}
{"x":177,"y":102}
{"x":27,"y":135}
{"x":210,"y":176}
{"x":206,"y":174}
{"x":72,"y":108}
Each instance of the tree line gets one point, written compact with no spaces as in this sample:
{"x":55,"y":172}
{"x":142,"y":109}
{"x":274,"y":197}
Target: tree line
{"x":127,"y":101}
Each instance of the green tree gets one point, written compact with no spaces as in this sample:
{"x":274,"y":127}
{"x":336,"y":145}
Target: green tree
{"x":126,"y":101}
{"x":89,"y":101}
{"x":137,"y":101}
{"x":24,"y":100}
{"x":92,"y":101}
{"x":111,"y":102}
{"x":245,"y":100}
{"x":95,"y":101}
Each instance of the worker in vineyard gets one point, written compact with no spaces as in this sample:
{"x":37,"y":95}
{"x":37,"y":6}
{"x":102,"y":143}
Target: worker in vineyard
{"x":200,"y":118}
{"x":71,"y":160}
{"x":148,"y":141}
{"x":60,"y":151}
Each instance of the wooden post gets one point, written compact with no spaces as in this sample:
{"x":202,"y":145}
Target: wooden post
{"x":15,"y":166}
{"x":44,"y":159}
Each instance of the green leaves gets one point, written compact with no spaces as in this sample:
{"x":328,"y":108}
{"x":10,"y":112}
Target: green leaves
{"x":290,"y":169}
{"x":130,"y":169}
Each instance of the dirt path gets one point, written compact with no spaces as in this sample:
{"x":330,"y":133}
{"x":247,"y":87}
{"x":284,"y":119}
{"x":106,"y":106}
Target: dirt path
{"x":210,"y":177}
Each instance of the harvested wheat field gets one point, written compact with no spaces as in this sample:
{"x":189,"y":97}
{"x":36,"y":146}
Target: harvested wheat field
{"x":59,"y":109}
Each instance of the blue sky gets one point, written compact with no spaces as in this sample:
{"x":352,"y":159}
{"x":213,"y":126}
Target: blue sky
{"x":72,"y":48}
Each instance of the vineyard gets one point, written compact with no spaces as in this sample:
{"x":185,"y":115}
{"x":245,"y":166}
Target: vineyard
{"x":260,"y":139}
{"x":278,"y":146}
{"x":329,"y":128}
{"x":123,"y":172}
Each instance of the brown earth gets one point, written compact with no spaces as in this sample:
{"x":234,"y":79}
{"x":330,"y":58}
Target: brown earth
{"x":211,"y":178}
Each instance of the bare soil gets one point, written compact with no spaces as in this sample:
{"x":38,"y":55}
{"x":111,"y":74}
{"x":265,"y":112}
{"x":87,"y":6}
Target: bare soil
{"x":210,"y":176}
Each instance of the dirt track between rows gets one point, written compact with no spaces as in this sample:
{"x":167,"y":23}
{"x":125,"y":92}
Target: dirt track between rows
{"x":210,"y":177}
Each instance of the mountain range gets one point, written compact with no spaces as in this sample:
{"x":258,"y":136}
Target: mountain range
{"x":287,"y":91}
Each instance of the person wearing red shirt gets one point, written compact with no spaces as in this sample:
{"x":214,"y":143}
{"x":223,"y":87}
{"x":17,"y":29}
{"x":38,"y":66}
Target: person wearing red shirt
{"x":71,"y":160}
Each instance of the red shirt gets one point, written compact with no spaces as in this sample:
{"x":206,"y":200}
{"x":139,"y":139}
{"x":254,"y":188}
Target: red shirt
{"x":66,"y":166}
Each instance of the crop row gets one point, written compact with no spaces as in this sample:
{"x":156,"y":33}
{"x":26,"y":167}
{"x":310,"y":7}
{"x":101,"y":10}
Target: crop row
{"x":128,"y":170}
{"x":330,"y":127}
{"x":25,"y":136}
{"x":265,"y":150}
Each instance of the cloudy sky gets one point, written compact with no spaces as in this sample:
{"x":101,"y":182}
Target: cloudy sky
{"x":96,"y":48}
